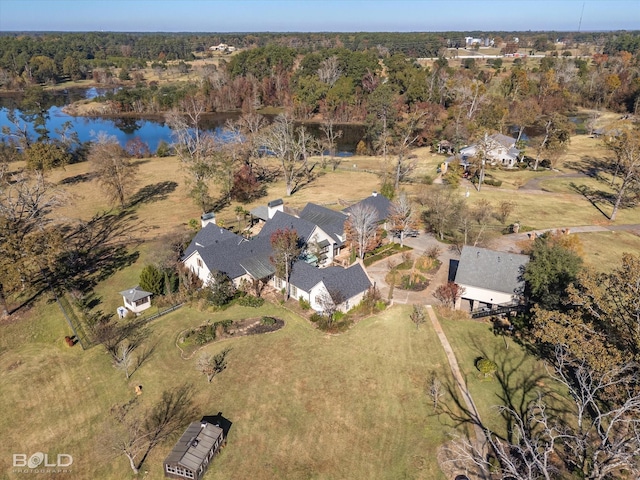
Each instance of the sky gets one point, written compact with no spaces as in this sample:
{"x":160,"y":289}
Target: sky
{"x":318,"y":15}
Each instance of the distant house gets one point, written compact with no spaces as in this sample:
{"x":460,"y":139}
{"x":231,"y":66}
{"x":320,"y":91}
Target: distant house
{"x":378,"y":202}
{"x":498,"y":149}
{"x":136,"y":299}
{"x":490,"y":278}
{"x":192,"y":454}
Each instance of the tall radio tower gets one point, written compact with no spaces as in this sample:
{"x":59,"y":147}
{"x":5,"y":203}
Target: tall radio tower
{"x":581,"y":13}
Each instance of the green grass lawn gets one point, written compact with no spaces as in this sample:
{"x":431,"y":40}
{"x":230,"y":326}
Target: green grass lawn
{"x":519,"y":375}
{"x":303,"y":404}
{"x":603,"y":250}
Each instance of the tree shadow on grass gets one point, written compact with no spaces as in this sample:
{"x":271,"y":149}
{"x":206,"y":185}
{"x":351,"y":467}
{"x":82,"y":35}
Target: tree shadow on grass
{"x":75,"y":179}
{"x":153,"y":193}
{"x":594,"y":197}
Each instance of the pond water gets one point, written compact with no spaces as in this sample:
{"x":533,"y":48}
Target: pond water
{"x":150,"y":129}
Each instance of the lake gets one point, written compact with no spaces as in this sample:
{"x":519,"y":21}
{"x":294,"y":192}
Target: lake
{"x":151,"y":130}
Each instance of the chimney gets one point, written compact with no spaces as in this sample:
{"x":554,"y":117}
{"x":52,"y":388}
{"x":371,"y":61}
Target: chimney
{"x":203,"y":424}
{"x":374,"y":194}
{"x":207,"y":218}
{"x":274,"y":206}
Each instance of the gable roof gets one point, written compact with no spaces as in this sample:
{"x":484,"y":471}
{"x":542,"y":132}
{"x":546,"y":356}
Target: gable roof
{"x":504,"y":140}
{"x":349,"y":282}
{"x":491,"y":270}
{"x":194,"y":445}
{"x":331,"y":221}
{"x":282,"y":221}
{"x":378,"y":202}
{"x":134,"y":294}
{"x":209,"y":235}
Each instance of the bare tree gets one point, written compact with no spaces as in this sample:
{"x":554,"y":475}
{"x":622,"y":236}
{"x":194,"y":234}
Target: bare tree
{"x":194,"y":147}
{"x":330,"y":300}
{"x":287,"y":247}
{"x":328,"y":128}
{"x":135,"y":434}
{"x":329,"y":71}
{"x":418,"y":315}
{"x":290,"y":145}
{"x":407,"y":132}
{"x":113,"y":169}
{"x":402,"y":219}
{"x":124,"y":358}
{"x":435,"y":390}
{"x":211,"y":365}
{"x":626,"y":147}
{"x":448,"y":294}
{"x":361,"y":228}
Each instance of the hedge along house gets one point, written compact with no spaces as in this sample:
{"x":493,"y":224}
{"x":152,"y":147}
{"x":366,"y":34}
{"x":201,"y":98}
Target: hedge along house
{"x":191,"y":455}
{"x":490,"y":278}
{"x":136,"y":299}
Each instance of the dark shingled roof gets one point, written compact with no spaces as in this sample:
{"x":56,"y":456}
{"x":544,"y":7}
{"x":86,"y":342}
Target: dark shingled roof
{"x":348,"y":281}
{"x":209,"y":235}
{"x":491,"y":270}
{"x":379,"y":203}
{"x":282,"y":221}
{"x":330,"y":221}
{"x":194,"y":445}
{"x":134,"y":294}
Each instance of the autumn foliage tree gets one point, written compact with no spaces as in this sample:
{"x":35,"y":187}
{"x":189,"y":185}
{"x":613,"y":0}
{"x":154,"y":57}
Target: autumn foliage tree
{"x":448,"y":294}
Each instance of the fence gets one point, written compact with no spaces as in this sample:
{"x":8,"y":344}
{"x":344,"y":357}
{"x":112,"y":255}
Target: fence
{"x":74,"y":322}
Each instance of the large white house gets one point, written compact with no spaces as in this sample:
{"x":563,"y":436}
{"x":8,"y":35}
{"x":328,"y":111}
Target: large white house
{"x":321,"y":233}
{"x":497,"y":149}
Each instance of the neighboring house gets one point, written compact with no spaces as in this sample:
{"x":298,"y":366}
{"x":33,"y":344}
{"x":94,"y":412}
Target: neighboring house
{"x":499,"y":150}
{"x":191,"y":454}
{"x":490,"y":278}
{"x":136,"y":299}
{"x":378,"y":202}
{"x":345,"y":287}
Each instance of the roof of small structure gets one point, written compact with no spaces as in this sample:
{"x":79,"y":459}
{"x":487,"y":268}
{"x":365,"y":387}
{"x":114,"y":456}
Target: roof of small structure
{"x":491,"y":270}
{"x":194,"y":445}
{"x":134,"y":294}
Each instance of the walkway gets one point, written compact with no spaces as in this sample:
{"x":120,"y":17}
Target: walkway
{"x":459,"y":379}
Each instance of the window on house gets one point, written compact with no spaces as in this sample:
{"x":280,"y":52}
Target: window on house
{"x":199,"y":262}
{"x":278,"y":282}
{"x":294,"y":291}
{"x":188,"y":474}
{"x":169,"y":468}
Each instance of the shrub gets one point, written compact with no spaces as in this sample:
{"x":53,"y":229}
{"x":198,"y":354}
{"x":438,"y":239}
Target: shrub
{"x":269,"y":321}
{"x":250,"y":301}
{"x":486,"y":367}
{"x":381,"y":305}
{"x":304,"y":304}
{"x":315,"y":317}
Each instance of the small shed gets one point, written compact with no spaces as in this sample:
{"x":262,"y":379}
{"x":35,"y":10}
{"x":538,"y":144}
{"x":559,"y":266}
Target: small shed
{"x":136,"y":299}
{"x":191,"y":454}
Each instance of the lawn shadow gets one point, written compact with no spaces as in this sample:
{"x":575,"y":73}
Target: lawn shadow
{"x":153,"y":193}
{"x":594,"y":196}
{"x":219,"y":421}
{"x":75,"y":179}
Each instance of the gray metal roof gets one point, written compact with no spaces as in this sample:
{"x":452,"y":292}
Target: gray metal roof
{"x":491,"y":270}
{"x":503,"y":140}
{"x":331,"y":221}
{"x":194,"y":445}
{"x":134,"y":294}
{"x":258,"y":266}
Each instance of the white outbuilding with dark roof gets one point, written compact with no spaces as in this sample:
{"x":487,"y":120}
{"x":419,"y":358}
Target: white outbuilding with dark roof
{"x":136,"y":299}
{"x":490,"y":278}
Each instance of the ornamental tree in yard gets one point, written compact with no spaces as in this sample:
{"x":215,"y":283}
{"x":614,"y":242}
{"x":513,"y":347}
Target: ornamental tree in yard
{"x":287,"y":247}
{"x":361,"y":229}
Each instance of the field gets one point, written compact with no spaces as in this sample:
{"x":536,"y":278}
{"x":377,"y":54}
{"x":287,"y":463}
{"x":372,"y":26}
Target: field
{"x":303,"y":404}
